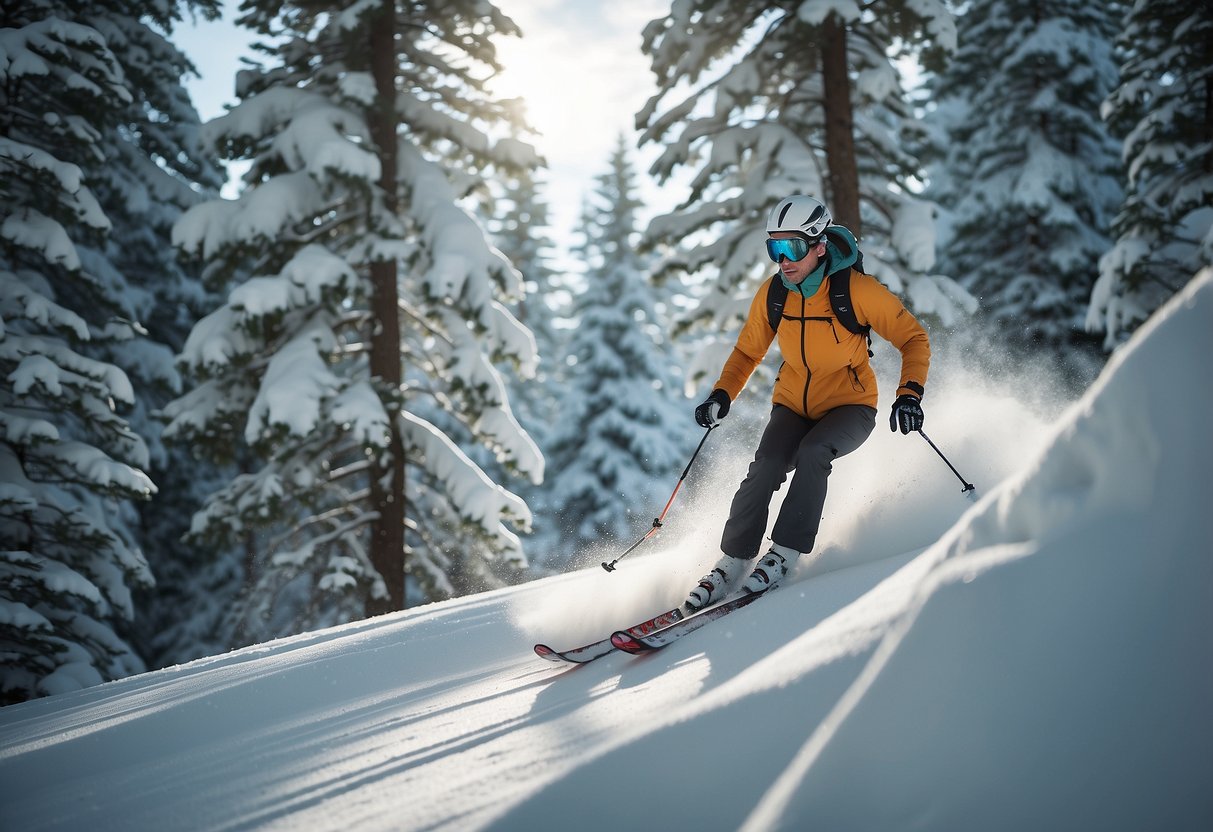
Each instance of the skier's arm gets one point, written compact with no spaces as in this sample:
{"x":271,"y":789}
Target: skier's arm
{"x":886,"y":314}
{"x":752,"y":344}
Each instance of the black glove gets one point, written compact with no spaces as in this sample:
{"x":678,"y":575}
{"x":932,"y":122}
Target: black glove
{"x":703,"y":413}
{"x":907,"y":414}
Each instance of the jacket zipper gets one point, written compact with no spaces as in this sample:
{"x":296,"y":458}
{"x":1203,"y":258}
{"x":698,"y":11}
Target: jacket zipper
{"x":808,"y":373}
{"x":804,"y":357}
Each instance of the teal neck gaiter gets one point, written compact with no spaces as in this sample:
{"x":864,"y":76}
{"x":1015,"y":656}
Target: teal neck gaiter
{"x":841,"y":253}
{"x":809,"y":286}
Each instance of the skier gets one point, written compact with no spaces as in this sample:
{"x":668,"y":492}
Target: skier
{"x":824,"y":402}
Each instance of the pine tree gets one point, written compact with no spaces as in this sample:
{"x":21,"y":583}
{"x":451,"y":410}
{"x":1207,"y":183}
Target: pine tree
{"x":69,"y":458}
{"x":361,"y":295}
{"x":1031,"y":170}
{"x":792,"y":97}
{"x":154,"y":170}
{"x":620,"y":427}
{"x":522,"y":234}
{"x":1163,"y":106}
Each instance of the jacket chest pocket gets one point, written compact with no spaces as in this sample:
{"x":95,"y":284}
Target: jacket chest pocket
{"x":817,"y":342}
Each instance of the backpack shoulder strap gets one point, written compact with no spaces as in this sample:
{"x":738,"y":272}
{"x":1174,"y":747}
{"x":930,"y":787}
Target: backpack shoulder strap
{"x":840,"y":284}
{"x":777,"y":296}
{"x":844,"y":309}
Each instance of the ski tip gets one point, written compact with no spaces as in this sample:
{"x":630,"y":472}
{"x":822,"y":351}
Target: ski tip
{"x":545,"y":652}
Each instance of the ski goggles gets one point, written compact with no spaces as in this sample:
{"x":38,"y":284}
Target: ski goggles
{"x":794,"y":248}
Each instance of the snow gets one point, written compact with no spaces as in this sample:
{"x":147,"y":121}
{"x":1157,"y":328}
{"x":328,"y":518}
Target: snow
{"x":315,"y":140}
{"x":53,"y":575}
{"x":264,"y":212}
{"x":215,"y":340}
{"x":360,"y":413}
{"x":295,"y":383}
{"x":477,"y":497}
{"x":69,"y":176}
{"x":49,"y":365}
{"x":94,"y":465}
{"x":1043,"y":662}
{"x":34,"y":230}
{"x":311,"y":272}
{"x":914,"y":235}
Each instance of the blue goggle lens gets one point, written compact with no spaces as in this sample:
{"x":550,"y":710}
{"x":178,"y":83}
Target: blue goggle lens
{"x":794,"y":249}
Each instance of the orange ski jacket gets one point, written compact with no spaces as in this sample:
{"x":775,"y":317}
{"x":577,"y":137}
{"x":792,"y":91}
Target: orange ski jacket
{"x":824,"y":365}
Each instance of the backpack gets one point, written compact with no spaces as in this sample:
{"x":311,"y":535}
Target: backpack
{"x":840,"y":302}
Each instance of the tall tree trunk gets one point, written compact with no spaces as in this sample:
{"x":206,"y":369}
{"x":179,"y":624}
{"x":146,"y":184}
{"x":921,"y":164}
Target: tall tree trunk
{"x":840,"y":126}
{"x":387,"y":471}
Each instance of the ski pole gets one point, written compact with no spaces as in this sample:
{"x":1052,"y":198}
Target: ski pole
{"x":610,"y":567}
{"x":969,"y":489}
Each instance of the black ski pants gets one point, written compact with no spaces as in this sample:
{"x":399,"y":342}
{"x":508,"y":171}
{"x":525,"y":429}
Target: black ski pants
{"x":792,"y":443}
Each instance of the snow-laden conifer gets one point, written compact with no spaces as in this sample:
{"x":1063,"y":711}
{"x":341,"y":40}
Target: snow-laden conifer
{"x":1163,"y":106}
{"x":69,"y":458}
{"x":522,"y":232}
{"x":623,"y":427}
{"x":1030,"y":174}
{"x":361,"y":294}
{"x":759,"y":101}
{"x":154,"y":169}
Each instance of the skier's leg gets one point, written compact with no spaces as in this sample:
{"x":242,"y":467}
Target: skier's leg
{"x":748,"y":516}
{"x":774,"y":458}
{"x":836,"y":434}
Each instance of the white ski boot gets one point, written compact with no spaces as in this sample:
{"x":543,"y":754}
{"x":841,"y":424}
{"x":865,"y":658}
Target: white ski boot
{"x":716,"y":584}
{"x":772,"y":569}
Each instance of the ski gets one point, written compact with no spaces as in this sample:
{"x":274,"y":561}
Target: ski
{"x":630,"y":642}
{"x":598,"y":649}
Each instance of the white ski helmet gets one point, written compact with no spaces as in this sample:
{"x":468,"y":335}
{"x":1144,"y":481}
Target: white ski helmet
{"x":802,"y":214}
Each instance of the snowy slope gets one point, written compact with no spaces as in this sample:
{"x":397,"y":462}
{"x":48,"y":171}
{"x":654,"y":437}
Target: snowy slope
{"x":1044,"y":664}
